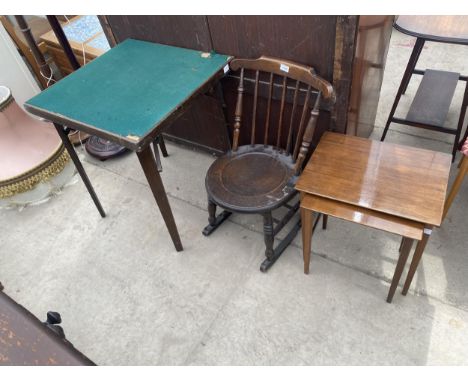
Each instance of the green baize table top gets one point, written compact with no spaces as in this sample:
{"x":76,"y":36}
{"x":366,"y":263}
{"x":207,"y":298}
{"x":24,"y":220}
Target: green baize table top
{"x":128,"y":91}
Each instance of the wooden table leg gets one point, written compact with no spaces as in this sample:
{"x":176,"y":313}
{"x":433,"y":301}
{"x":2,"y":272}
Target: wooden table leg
{"x":79,"y":166}
{"x":306,"y":220}
{"x":324,"y":221}
{"x":456,"y":185}
{"x":162,"y":146}
{"x":404,"y":252}
{"x":150,"y":169}
{"x":157,"y":156}
{"x":401,"y":244}
{"x":416,"y":258}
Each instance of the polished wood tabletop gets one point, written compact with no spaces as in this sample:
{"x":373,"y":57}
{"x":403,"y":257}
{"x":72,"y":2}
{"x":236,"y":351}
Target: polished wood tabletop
{"x":402,"y":181}
{"x":448,"y":29}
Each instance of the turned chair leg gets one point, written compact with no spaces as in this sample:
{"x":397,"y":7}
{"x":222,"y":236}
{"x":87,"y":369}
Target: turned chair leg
{"x":268,"y":234}
{"x":211,"y":213}
{"x":213,"y":220}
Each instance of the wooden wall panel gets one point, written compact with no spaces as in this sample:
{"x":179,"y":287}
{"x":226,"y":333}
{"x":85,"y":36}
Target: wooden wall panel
{"x":184,"y":31}
{"x":305,"y":39}
{"x":203,"y":124}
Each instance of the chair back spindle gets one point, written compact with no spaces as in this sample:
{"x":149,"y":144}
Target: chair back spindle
{"x":291,"y":125}
{"x":306,"y":80}
{"x":308,"y":135}
{"x":238,"y":113}
{"x":267,"y":120}
{"x":300,"y":132}
{"x":280,"y":122}
{"x":254,"y":113}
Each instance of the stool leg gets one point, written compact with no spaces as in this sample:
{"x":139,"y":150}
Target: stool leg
{"x":404,"y":81}
{"x":418,"y":48}
{"x":306,"y":220}
{"x":404,"y":252}
{"x":415,"y":262}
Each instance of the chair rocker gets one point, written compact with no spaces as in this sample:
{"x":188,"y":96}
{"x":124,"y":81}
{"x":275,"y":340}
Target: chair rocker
{"x":259,"y":177}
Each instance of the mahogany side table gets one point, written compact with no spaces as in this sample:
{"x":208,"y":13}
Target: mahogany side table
{"x":394,"y":188}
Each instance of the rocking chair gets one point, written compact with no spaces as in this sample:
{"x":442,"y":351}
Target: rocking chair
{"x":259,"y":177}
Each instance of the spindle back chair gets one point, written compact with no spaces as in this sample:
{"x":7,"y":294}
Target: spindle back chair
{"x":259,"y":177}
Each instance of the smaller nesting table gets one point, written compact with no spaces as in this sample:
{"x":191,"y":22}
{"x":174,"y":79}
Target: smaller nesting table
{"x":393,"y":188}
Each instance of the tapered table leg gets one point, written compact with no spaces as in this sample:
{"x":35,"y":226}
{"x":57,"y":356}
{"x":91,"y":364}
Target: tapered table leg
{"x":150,"y":169}
{"x":306,"y":221}
{"x":406,"y":246}
{"x":79,"y":166}
{"x":456,"y":185}
{"x":324,"y":221}
{"x":416,"y":258}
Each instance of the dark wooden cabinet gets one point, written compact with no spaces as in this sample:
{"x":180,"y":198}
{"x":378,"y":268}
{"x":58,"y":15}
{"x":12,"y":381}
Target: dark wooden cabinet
{"x":328,"y":43}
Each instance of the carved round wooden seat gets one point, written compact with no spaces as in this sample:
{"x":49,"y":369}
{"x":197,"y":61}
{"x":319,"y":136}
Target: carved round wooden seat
{"x":254,"y":179}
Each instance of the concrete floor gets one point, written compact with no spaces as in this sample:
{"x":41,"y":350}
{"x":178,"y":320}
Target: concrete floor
{"x":128,"y":298}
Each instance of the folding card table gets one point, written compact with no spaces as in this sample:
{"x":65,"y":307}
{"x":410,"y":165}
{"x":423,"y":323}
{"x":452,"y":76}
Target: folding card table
{"x":128,"y":95}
